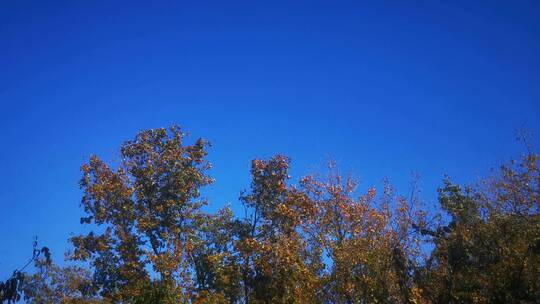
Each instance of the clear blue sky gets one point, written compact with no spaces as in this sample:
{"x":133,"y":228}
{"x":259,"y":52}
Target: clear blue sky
{"x":384,"y":87}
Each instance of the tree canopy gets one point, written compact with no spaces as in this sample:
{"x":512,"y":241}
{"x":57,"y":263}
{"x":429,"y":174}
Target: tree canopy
{"x":316,"y":240}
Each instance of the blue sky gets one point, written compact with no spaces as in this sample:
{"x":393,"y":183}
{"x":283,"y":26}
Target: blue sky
{"x":386,"y":88}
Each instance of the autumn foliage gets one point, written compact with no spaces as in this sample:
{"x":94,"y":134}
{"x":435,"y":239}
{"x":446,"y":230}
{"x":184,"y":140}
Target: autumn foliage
{"x":317,"y":240}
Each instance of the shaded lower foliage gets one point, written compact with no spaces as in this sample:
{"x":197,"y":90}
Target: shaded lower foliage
{"x":12,"y":288}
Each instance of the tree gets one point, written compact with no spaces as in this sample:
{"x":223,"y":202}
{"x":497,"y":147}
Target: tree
{"x":147,"y":212}
{"x":276,"y":263}
{"x":51,"y":283}
{"x":488,"y":251}
{"x":367,"y":241}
